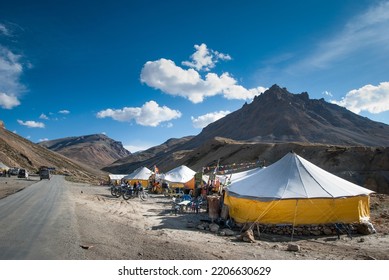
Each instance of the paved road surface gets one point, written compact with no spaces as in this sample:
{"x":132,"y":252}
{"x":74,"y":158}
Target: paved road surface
{"x":39,"y":223}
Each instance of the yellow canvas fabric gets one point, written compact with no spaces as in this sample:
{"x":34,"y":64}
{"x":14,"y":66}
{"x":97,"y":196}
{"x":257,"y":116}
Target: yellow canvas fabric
{"x":144,"y":183}
{"x":299,"y":211}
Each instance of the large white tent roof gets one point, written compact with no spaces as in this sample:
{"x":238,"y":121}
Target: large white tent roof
{"x":293,"y":177}
{"x":181,"y":174}
{"x":142,"y":173}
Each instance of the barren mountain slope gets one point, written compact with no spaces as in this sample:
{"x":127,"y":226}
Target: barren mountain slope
{"x":96,"y":150}
{"x":20,"y":152}
{"x":280,"y":116}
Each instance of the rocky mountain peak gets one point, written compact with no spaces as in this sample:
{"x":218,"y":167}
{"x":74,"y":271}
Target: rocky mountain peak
{"x":280,"y":116}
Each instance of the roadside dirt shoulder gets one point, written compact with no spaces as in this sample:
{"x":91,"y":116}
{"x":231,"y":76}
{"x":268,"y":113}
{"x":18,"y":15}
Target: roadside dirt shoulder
{"x":11,"y":185}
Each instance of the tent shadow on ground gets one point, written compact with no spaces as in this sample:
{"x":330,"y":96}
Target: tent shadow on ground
{"x":169,"y":219}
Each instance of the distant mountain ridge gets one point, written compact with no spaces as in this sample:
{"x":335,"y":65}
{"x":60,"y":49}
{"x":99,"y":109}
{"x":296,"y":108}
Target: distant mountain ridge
{"x":96,"y":150}
{"x":278,"y":116}
{"x":167,"y":152}
{"x":16,"y":151}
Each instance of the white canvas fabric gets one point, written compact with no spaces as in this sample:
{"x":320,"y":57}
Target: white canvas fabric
{"x":224,"y":179}
{"x":293,"y":177}
{"x":116,"y":176}
{"x":181,"y":174}
{"x":142,"y":173}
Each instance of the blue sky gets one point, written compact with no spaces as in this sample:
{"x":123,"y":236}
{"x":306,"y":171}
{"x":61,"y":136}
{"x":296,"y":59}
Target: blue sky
{"x":146,"y":71}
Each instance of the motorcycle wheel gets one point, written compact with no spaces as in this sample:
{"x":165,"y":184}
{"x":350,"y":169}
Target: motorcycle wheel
{"x":143,"y":195}
{"x":118,"y":193}
{"x":127,"y":195}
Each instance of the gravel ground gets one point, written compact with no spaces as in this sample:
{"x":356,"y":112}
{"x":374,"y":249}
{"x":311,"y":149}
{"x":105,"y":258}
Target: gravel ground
{"x":113,"y":228}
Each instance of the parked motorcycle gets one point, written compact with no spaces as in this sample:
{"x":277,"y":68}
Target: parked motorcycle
{"x":114,"y":190}
{"x":117,"y":191}
{"x":131,"y":192}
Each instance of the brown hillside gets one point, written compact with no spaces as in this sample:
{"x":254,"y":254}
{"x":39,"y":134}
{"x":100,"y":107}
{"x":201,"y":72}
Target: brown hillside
{"x":16,"y":151}
{"x":96,"y":150}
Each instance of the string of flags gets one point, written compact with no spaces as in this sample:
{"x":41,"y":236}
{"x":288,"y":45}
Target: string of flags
{"x":230,"y":168}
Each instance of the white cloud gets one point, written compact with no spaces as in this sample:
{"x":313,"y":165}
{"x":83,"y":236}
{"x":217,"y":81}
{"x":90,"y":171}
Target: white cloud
{"x":11,"y":70}
{"x":32,"y":124}
{"x":239,"y":92}
{"x":43,"y":139}
{"x":204,"y":120}
{"x":374,"y":99}
{"x":4,"y":30}
{"x":204,"y":58}
{"x":150,"y":114}
{"x":165,"y":75}
{"x":43,"y":117}
{"x":368,"y":30}
{"x":64,"y":112}
{"x":327,"y":93}
{"x":8,"y":101}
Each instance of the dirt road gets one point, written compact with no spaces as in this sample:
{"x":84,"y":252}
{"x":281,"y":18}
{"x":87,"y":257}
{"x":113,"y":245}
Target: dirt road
{"x":91,"y":224}
{"x":39,"y":222}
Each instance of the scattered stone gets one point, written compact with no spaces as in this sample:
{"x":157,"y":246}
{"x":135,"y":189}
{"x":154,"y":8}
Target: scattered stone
{"x":293,"y":248}
{"x":201,"y":227}
{"x":214,"y":227}
{"x":327,"y":231}
{"x":316,"y":232}
{"x":229,"y":232}
{"x":365,"y":228}
{"x":361,"y":240}
{"x":190,"y":225}
{"x":248,"y":236}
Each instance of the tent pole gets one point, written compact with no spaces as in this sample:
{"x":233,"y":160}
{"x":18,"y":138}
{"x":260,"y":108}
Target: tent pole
{"x":294,"y":220}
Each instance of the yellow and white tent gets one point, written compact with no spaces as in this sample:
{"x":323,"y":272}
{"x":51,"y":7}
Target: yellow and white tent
{"x":181,"y":176}
{"x":142,"y":174}
{"x":115,"y":178}
{"x":295,"y":191}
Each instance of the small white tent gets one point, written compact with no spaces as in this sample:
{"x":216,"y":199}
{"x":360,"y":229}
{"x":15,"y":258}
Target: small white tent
{"x":295,"y":191}
{"x":141,"y":174}
{"x":115,"y":178}
{"x":181,"y":175}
